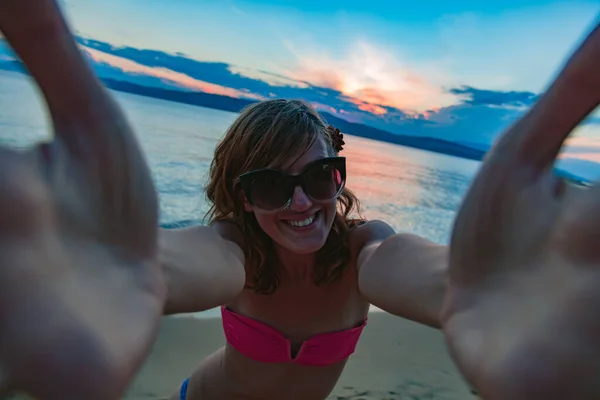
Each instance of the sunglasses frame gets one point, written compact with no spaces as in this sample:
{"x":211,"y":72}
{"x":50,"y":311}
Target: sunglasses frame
{"x":246,"y":179}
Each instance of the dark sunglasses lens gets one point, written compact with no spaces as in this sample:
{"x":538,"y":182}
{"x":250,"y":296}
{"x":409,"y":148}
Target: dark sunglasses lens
{"x":323,"y":182}
{"x":270,"y":190}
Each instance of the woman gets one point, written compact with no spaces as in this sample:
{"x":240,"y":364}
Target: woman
{"x":292,"y":268}
{"x":289,"y":262}
{"x":81,"y":293}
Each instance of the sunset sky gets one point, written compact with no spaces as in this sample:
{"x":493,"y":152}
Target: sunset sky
{"x":451,"y":62}
{"x":388,"y":46}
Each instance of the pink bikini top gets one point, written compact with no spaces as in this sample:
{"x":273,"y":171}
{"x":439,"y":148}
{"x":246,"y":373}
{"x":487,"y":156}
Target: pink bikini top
{"x":263,"y":343}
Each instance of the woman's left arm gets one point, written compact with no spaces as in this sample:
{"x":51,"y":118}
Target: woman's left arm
{"x":403,"y":274}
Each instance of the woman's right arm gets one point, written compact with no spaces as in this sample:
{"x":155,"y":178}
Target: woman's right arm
{"x":203,"y":267}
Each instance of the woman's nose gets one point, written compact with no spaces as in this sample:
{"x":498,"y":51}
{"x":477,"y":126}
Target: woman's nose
{"x":300,"y":200}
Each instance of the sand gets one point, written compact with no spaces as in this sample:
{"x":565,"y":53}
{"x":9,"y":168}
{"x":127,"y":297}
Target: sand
{"x":395,"y":359}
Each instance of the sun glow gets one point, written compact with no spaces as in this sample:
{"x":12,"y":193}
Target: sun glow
{"x":373,"y":78}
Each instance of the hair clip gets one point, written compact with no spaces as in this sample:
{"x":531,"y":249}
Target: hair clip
{"x":337,"y":138}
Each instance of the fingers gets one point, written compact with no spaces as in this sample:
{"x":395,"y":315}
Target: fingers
{"x":536,"y":139}
{"x":95,"y":152}
{"x":82,"y":111}
{"x":516,"y":177}
{"x":40,"y":36}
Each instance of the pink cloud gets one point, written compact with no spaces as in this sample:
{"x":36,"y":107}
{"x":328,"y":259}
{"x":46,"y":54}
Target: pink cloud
{"x":324,"y":107}
{"x":584,"y":144}
{"x":177,"y":78}
{"x":374,"y":77}
{"x":271,"y":79}
{"x":587,"y":142}
{"x":373,"y":108}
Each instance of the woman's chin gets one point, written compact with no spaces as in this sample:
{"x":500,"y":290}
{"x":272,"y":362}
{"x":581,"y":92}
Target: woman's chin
{"x":305,"y":245}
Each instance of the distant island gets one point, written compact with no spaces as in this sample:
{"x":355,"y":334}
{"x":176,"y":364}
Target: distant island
{"x":232,"y":104}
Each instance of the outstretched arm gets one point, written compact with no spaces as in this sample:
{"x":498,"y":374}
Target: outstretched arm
{"x":402,"y":274}
{"x":203,"y":267}
{"x":81,"y":293}
{"x":521,"y":314}
{"x":93,"y":140}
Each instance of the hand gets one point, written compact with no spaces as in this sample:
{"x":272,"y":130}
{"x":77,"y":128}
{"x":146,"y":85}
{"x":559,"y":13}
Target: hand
{"x":81,"y":293}
{"x":521,"y":314}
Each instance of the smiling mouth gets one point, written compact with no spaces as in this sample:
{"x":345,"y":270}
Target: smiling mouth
{"x":305,"y":222}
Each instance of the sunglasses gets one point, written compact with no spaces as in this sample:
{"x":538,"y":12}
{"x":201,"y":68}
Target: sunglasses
{"x":271,"y":189}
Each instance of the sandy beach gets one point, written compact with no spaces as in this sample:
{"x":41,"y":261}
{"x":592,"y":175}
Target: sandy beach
{"x":395,"y":359}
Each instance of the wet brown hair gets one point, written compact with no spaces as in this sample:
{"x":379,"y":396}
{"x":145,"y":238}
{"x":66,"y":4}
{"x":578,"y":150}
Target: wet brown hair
{"x":269,"y":133}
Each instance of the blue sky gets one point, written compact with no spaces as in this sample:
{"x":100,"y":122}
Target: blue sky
{"x":503,"y":45}
{"x":461,"y":70}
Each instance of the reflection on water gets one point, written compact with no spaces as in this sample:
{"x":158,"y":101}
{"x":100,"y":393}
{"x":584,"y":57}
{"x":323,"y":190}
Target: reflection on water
{"x":414,"y":191}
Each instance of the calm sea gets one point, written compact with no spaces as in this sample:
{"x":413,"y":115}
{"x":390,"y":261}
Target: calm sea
{"x":414,"y":191}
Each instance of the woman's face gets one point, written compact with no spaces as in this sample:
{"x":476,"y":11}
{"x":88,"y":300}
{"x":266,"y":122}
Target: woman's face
{"x":304,"y":226}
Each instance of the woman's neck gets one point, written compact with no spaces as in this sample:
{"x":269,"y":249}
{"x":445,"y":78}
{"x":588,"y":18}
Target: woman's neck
{"x":297,"y":267}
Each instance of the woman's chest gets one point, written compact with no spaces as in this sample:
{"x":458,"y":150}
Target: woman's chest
{"x":301,"y":311}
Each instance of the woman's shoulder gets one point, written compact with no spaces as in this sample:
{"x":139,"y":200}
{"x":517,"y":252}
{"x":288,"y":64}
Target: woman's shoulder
{"x":191,"y":234}
{"x":187,"y":237}
{"x":228,"y":230}
{"x":366,"y":232}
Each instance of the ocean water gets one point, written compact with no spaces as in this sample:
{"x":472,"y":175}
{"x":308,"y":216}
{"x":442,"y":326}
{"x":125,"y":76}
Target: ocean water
{"x":412,"y":190}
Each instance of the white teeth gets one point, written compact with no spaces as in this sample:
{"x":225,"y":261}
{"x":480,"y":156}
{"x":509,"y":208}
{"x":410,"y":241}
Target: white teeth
{"x":302,"y":223}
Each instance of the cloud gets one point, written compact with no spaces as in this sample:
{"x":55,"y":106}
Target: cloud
{"x":267,"y":77}
{"x":583,"y":143}
{"x":472,"y":116}
{"x":477,"y":97}
{"x":593,"y":119}
{"x":374,"y":76}
{"x":176,"y":78}
{"x":218,"y":73}
{"x":5,"y":50}
{"x":373,"y":108}
{"x":258,"y":83}
{"x":584,"y":167}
